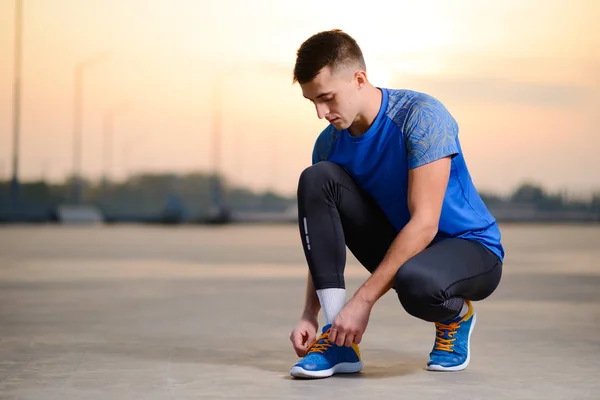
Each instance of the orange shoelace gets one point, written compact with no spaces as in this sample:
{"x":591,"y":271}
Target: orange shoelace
{"x":317,"y":347}
{"x":441,"y":342}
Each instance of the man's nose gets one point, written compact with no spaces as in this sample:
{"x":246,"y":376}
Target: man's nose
{"x":322,"y":110}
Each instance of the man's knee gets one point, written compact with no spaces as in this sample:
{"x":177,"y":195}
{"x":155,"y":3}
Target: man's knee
{"x":417,"y":290}
{"x":315,"y":176}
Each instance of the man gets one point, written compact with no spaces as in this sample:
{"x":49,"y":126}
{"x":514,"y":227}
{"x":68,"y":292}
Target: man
{"x":390,"y":182}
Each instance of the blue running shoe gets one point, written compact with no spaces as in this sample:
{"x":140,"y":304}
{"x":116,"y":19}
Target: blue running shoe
{"x":451,"y":351}
{"x":324,"y":359}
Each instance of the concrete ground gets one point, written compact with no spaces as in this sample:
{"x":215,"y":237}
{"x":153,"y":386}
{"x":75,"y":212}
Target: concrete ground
{"x":130,"y":312}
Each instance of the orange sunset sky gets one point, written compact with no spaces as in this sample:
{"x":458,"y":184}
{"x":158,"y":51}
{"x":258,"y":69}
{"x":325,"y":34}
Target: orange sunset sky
{"x":522,"y":78}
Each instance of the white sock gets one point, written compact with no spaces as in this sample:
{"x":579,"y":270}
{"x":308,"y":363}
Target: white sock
{"x":332,"y":301}
{"x":464,"y":310}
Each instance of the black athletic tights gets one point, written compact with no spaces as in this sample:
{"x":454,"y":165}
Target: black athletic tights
{"x":334,"y":213}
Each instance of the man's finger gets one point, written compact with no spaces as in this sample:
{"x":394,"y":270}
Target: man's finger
{"x":349,"y":340}
{"x":300,"y":348}
{"x":298,"y":342}
{"x":341,"y":337}
{"x":297,"y":349}
{"x":358,"y":338}
{"x":333,"y":335}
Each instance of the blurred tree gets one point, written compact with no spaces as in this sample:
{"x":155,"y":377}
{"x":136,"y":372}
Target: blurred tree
{"x":529,"y":193}
{"x":595,"y":203}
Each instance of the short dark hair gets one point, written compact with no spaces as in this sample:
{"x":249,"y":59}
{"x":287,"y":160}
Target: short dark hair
{"x":331,"y":48}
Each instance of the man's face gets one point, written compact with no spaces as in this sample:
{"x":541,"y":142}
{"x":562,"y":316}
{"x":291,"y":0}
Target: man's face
{"x":335,"y":96}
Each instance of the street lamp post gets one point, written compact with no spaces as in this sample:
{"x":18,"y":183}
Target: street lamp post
{"x":17,"y":103}
{"x":107,"y":140}
{"x":219,"y":211}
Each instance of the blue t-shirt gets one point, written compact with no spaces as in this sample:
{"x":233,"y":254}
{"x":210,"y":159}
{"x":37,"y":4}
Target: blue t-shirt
{"x":410,"y":130}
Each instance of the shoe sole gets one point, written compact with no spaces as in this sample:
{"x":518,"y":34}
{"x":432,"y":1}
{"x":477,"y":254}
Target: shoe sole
{"x":464,"y":365}
{"x":341,"y":368}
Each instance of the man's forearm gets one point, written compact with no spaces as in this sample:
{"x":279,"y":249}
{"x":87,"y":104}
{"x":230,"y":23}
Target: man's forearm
{"x":411,"y":240}
{"x":312,"y":305}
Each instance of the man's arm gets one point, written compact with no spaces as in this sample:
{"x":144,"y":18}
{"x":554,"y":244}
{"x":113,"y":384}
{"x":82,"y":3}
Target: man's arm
{"x":430,"y":136}
{"x":305,"y":332}
{"x":431,"y":133}
{"x":426,"y":189}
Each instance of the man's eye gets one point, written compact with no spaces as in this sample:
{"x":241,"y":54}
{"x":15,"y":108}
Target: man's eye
{"x":328,"y":99}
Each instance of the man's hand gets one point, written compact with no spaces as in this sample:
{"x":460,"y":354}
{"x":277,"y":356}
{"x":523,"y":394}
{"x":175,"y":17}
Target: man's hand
{"x":351,"y":323}
{"x":304,"y":334}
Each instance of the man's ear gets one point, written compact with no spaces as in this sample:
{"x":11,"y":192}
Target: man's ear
{"x":361,"y":79}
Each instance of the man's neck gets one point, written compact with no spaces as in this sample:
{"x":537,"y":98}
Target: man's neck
{"x":365,"y":119}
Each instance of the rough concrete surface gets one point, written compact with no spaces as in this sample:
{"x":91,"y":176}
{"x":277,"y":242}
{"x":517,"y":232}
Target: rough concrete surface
{"x":134,"y":312}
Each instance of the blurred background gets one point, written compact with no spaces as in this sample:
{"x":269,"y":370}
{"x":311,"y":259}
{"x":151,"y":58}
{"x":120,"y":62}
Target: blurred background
{"x":184,"y":111}
{"x":149,"y":157}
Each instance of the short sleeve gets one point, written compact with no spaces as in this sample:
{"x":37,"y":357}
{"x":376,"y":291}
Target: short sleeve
{"x":324,"y":145}
{"x":315,"y":155}
{"x":430,"y":132}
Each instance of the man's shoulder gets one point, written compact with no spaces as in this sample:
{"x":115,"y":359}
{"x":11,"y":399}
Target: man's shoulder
{"x":324,"y":143}
{"x":403,"y":101}
{"x":406,"y":105}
